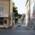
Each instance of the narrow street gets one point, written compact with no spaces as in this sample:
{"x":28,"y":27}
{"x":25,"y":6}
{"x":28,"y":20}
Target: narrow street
{"x":18,"y":31}
{"x":10,"y":32}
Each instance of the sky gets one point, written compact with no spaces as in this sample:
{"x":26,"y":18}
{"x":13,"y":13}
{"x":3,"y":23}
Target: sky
{"x":20,"y":4}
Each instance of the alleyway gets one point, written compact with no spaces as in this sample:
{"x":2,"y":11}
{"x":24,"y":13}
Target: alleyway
{"x":18,"y":32}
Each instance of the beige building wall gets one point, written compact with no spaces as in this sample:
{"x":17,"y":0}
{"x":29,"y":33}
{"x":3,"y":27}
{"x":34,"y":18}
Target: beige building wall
{"x":4,"y":4}
{"x":4,"y":8}
{"x":11,"y":11}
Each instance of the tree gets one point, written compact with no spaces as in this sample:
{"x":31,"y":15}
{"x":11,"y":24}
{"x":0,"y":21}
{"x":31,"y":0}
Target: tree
{"x":15,"y":13}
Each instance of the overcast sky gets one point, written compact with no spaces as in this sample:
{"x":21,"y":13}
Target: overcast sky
{"x":21,"y":5}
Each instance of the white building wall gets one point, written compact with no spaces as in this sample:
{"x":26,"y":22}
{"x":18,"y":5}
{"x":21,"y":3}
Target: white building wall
{"x":27,"y":10}
{"x":31,"y":8}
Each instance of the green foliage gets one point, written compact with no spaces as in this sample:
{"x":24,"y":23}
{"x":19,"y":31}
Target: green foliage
{"x":15,"y":12}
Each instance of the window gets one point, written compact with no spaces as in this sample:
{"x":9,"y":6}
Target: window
{"x":1,"y":11}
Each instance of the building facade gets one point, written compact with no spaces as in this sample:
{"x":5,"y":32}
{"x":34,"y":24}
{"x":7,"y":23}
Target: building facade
{"x":6,"y":13}
{"x":29,"y":10}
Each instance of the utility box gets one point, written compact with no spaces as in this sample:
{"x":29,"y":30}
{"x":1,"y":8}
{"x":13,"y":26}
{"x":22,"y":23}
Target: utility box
{"x":5,"y":10}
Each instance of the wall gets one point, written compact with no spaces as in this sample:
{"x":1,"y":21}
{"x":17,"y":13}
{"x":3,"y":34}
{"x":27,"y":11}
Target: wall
{"x":5,"y":6}
{"x":27,"y":10}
